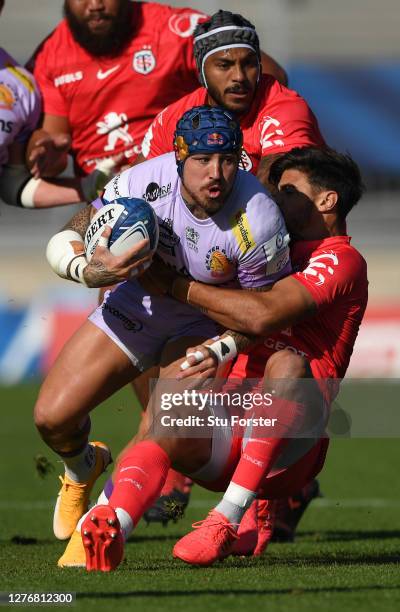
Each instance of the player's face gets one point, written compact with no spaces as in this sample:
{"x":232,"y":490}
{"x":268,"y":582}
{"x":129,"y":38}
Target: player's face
{"x":208,"y":179}
{"x":297,"y":200}
{"x":100,"y":26}
{"x":232,"y":76}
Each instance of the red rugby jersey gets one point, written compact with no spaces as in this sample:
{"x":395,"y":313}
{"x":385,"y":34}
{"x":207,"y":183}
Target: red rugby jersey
{"x":278,"y":121}
{"x":110,"y":102}
{"x":335,"y":274}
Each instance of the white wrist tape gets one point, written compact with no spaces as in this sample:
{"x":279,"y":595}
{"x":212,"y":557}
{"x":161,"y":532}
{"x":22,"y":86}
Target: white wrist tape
{"x":66,"y":255}
{"x":28,"y":193}
{"x":224,"y":349}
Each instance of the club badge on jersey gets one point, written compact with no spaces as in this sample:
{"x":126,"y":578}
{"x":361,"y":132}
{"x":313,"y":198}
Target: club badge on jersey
{"x":144,"y":61}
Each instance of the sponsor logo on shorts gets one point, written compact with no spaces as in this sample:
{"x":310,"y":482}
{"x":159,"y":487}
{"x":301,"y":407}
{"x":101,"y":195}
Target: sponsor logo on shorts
{"x":66,"y":79}
{"x":241,"y":230}
{"x":218,"y":263}
{"x":168,"y":239}
{"x":192,"y":238}
{"x":8,"y":96}
{"x":144,"y":61}
{"x":129,"y":325}
{"x":155,"y":192}
{"x":183,"y":24}
{"x":275,"y":345}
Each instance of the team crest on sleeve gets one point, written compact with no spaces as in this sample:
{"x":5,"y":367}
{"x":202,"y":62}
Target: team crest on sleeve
{"x":318,"y":269}
{"x":184,"y":24}
{"x":8,"y":97}
{"x":144,"y":61}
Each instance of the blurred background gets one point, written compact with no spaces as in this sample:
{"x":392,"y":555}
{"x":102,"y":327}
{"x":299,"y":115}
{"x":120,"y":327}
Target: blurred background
{"x":344,"y":58}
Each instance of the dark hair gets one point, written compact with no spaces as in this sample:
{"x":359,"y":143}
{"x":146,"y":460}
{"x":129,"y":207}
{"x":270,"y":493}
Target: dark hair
{"x":325,"y":169}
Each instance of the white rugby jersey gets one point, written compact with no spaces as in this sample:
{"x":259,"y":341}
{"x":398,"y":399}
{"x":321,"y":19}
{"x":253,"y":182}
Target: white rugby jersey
{"x":246,"y":240}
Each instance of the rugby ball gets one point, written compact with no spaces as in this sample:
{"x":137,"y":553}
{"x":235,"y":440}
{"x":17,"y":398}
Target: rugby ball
{"x":131,"y":220}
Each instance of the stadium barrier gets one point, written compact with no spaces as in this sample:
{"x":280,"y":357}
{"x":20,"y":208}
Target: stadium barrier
{"x":32,"y":336}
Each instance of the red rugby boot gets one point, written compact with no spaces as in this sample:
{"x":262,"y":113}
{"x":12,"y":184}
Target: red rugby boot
{"x":102,"y":539}
{"x":247,"y":533}
{"x":266,"y":513}
{"x":212,"y":540}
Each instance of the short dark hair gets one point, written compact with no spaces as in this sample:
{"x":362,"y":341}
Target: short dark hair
{"x":325,"y":169}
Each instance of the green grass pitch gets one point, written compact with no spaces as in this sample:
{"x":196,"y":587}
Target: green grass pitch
{"x":346,"y":556}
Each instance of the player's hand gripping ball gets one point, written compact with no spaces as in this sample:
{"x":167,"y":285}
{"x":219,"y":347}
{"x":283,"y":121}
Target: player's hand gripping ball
{"x":131,"y":220}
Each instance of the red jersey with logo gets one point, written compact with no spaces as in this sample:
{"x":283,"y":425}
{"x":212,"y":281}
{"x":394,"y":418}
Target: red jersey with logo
{"x":110,"y":102}
{"x":335,"y":274}
{"x":278,"y":121}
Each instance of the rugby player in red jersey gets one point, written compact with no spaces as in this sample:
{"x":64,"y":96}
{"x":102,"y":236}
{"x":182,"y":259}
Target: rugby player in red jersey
{"x":309,"y":322}
{"x":273,"y":119}
{"x":105,"y":72}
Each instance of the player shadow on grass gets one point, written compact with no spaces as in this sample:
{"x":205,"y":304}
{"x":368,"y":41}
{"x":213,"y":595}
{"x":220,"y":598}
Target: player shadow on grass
{"x":338,"y":535}
{"x":233,"y":591}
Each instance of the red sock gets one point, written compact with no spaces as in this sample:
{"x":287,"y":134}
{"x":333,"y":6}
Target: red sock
{"x":261,"y":453}
{"x":139,"y":478}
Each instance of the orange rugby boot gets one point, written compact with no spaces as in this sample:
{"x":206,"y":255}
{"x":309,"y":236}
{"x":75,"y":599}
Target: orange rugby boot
{"x":73,"y":498}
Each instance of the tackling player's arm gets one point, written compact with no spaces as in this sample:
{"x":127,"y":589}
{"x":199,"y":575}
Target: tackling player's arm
{"x":250,"y":312}
{"x":47,"y":151}
{"x":19,"y":188}
{"x":254,"y":314}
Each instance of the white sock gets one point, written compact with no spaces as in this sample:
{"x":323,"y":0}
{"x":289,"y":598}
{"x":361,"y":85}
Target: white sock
{"x":102,"y":499}
{"x":80,"y":467}
{"x":235,"y":502}
{"x":125,"y":521}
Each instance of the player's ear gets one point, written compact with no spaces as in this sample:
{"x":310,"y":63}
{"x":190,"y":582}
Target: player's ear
{"x":327,"y":201}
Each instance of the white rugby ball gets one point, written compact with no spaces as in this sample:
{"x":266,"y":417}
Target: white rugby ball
{"x":131,"y":220}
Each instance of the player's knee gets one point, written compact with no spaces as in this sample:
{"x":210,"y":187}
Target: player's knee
{"x":47,"y":420}
{"x":287,"y":365}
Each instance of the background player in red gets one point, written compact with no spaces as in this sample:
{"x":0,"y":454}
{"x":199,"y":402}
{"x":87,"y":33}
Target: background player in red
{"x":273,"y":119}
{"x":322,"y":304}
{"x":105,"y":72}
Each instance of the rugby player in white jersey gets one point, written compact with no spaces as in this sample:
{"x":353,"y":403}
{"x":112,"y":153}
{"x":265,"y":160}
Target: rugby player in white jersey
{"x":217,"y":224}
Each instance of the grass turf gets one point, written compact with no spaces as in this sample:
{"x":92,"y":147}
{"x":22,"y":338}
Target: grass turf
{"x":345,"y":557}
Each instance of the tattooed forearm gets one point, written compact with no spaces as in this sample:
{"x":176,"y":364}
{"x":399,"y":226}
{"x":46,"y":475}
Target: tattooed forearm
{"x":80,"y":222}
{"x":97,"y":275}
